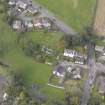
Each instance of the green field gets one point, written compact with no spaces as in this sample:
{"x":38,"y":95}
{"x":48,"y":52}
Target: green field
{"x":50,"y":39}
{"x":31,"y":71}
{"x":76,"y":13}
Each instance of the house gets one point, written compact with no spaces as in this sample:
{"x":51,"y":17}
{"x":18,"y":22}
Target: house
{"x":32,"y":10}
{"x":79,"y":60}
{"x":21,"y":4}
{"x":12,"y":2}
{"x":17,"y":25}
{"x":104,"y":51}
{"x":69,"y":53}
{"x":42,"y":22}
{"x":76,"y":73}
{"x":48,"y":50}
{"x":28,"y":24}
{"x":79,"y":55}
{"x":100,"y":49}
{"x":46,"y":23}
{"x":62,"y":68}
{"x":59,"y":71}
{"x":37,"y":23}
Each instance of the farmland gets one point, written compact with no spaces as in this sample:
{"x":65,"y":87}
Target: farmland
{"x":99,"y":22}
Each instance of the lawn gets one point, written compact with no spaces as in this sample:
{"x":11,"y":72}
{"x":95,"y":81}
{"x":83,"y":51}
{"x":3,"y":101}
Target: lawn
{"x":76,"y":13}
{"x":31,"y":71}
{"x":50,"y":39}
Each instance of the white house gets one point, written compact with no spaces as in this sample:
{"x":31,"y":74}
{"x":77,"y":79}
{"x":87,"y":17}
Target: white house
{"x":12,"y":2}
{"x":69,"y":53}
{"x":99,"y":48}
{"x":17,"y":25}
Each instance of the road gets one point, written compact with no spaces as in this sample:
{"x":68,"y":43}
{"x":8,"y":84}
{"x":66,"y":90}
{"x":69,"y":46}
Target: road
{"x":67,"y":30}
{"x":91,"y":76}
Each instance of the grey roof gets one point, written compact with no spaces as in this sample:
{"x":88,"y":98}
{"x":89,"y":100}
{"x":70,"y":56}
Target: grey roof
{"x":32,"y":9}
{"x":59,"y":69}
{"x":62,"y":67}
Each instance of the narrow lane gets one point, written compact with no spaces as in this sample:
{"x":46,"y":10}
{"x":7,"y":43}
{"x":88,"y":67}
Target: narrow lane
{"x":91,"y":75}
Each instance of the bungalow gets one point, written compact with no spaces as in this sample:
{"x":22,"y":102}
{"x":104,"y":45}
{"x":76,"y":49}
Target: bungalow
{"x":69,"y":53}
{"x":17,"y":25}
{"x":21,"y":4}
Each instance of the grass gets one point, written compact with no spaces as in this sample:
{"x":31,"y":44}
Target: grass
{"x":75,"y":13}
{"x":31,"y":71}
{"x":50,"y":39}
